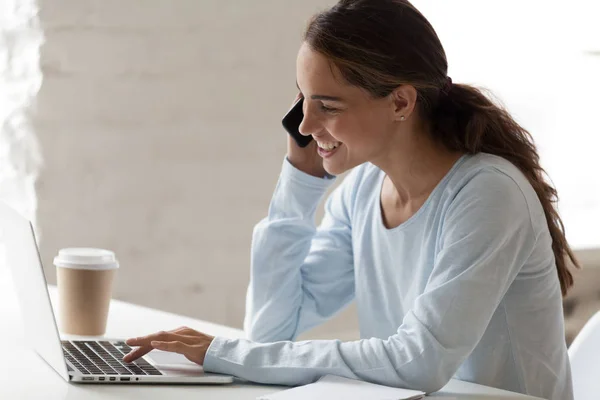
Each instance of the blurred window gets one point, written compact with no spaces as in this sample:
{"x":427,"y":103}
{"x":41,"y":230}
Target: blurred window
{"x":542,"y":61}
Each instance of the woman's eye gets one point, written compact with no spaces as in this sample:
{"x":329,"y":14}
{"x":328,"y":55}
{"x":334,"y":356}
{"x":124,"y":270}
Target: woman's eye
{"x":324,"y":108}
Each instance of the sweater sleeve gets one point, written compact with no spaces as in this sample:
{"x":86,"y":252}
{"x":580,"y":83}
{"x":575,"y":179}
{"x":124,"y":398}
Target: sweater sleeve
{"x":486,"y":238}
{"x":300,"y":275}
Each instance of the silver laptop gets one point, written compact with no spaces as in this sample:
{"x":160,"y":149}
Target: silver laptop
{"x":79,"y":361}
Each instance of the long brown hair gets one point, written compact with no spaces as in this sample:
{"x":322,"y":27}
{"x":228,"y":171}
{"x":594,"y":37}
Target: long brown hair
{"x":379,"y":45}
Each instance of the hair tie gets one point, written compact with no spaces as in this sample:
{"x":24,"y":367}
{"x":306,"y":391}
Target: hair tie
{"x":447,"y":86}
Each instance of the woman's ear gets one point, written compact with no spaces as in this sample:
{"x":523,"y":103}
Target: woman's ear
{"x":404,"y":99}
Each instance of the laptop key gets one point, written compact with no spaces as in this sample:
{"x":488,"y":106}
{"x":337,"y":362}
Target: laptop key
{"x":95,"y":358}
{"x":75,"y":363}
{"x":147,"y":367}
{"x":82,"y":359}
{"x":110,"y":360}
{"x":136,"y":370}
{"x":118,"y":354}
{"x":140,"y":362}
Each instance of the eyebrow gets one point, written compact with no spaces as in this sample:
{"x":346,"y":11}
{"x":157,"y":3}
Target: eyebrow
{"x":321,"y":96}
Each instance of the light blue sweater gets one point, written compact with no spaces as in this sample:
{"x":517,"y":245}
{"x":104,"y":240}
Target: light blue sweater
{"x":466,"y":288}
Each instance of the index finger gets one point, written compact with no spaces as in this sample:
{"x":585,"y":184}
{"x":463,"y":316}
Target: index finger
{"x":144,"y":345}
{"x":137,"y":353}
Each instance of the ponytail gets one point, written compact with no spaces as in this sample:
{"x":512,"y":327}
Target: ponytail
{"x":466,"y":120}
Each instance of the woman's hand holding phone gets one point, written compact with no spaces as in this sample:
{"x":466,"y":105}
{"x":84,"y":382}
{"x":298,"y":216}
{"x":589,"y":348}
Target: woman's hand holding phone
{"x":305,"y":159}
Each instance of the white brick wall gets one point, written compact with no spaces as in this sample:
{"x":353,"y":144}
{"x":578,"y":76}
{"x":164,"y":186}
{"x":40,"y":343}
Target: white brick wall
{"x":20,"y":79}
{"x":160,"y":125}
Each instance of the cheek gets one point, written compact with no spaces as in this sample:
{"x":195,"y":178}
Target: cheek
{"x":357,"y":132}
{"x":348,"y":129}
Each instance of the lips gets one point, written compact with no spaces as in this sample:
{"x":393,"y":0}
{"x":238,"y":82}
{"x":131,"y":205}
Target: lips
{"x":328,"y":153}
{"x":328,"y":146}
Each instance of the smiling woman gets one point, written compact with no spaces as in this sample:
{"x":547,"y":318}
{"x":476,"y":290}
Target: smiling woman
{"x":444,"y":231}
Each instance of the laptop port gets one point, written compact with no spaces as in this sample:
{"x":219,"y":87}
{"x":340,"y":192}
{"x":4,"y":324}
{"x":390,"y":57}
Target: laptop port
{"x":101,"y":379}
{"x":112,"y":378}
{"x":125,"y":379}
{"x":87,"y":378}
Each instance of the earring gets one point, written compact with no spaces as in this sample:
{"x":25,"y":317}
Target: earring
{"x":402,"y":118}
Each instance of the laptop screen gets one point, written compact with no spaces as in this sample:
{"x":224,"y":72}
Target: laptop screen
{"x":21,"y":256}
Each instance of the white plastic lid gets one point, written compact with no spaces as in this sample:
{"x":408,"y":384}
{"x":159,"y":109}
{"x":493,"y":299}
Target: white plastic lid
{"x":86,"y":258}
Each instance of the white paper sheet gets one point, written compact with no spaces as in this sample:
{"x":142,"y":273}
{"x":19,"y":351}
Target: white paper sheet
{"x":335,"y":387}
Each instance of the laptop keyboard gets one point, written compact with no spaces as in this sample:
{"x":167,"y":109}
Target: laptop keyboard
{"x":104,"y":358}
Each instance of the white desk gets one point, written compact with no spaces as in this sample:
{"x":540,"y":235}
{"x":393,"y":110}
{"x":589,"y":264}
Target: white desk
{"x":24,"y":375}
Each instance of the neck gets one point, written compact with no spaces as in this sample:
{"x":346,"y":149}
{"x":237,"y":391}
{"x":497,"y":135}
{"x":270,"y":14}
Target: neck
{"x":415,"y":167}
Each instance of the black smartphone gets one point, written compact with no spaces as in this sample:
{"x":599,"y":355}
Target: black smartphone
{"x":291,"y":122}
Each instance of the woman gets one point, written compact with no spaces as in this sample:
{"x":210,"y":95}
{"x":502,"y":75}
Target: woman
{"x":444,"y":231}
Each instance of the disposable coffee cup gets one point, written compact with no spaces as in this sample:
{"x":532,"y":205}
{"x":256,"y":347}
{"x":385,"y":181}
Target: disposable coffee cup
{"x":85,"y":278}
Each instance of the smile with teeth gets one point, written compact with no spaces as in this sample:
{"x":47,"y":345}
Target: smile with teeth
{"x":328,"y":145}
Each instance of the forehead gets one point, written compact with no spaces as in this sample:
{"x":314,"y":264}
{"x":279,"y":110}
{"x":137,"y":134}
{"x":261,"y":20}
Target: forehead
{"x":313,"y":68}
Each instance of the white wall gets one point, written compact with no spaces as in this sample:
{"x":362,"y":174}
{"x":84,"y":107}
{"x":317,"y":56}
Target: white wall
{"x":160,"y":125}
{"x":20,"y":79}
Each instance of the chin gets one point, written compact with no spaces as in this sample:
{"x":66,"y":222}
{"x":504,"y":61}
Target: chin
{"x":334,"y":170}
{"x":337,"y":168}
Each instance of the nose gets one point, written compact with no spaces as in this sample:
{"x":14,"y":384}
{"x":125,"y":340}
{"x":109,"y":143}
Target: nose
{"x":310,"y":124}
